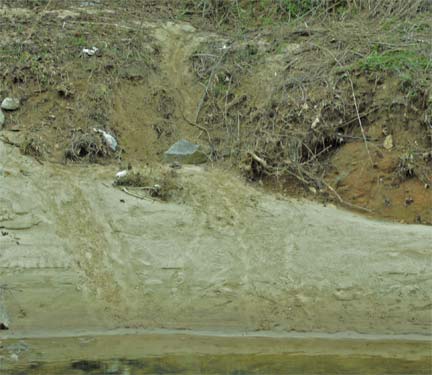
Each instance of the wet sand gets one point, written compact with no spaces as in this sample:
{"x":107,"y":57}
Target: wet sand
{"x":79,"y":257}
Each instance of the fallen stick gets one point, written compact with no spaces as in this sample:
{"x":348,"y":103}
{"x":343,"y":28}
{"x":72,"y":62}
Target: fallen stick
{"x":124,"y":190}
{"x":258,"y":159}
{"x":9,"y":142}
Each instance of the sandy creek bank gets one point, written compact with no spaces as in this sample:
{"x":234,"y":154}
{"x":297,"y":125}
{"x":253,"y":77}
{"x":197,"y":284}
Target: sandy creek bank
{"x":80,"y":258}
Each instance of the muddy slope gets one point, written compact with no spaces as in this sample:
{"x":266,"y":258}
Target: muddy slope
{"x":305,"y":110}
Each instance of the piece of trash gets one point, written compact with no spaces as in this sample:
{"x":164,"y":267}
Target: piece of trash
{"x":388,"y":142}
{"x":315,"y":123}
{"x":109,"y":139}
{"x":90,"y":51}
{"x":121,"y":174}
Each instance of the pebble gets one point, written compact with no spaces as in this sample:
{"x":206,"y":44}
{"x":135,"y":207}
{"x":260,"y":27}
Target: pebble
{"x":2,"y":119}
{"x":10,"y":104}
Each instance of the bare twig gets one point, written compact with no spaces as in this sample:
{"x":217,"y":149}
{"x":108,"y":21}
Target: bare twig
{"x":124,"y":190}
{"x":202,"y":128}
{"x":354,"y":98}
{"x":258,"y":159}
{"x":6,"y":140}
{"x":206,"y":90}
{"x":359,"y":120}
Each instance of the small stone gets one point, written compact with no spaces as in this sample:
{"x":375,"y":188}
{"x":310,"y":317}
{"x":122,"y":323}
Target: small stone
{"x":10,"y":104}
{"x":185,"y":152}
{"x":2,"y":119}
{"x":388,"y":142}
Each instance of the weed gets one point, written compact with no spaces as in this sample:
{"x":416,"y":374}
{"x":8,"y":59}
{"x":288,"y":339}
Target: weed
{"x":245,"y":14}
{"x":395,"y":61}
{"x":32,"y":147}
{"x":86,"y":146}
{"x":78,"y":41}
{"x":406,"y":166}
{"x":160,"y":184}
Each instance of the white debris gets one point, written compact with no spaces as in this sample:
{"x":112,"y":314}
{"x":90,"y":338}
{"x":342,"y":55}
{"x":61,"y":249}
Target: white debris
{"x":90,"y":51}
{"x":121,"y":174}
{"x":315,"y":123}
{"x":109,"y":139}
{"x":388,"y":142}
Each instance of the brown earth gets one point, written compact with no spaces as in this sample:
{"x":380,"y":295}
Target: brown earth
{"x":227,"y":253}
{"x":146,"y":105}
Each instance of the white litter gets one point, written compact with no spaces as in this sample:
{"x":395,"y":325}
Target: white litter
{"x":109,"y":139}
{"x":90,"y":51}
{"x":121,"y":174}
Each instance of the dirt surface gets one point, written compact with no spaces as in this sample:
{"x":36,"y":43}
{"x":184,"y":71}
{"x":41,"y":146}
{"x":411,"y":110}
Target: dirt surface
{"x":227,"y":250}
{"x":79,"y":255}
{"x":291,"y":97}
{"x":377,"y":188}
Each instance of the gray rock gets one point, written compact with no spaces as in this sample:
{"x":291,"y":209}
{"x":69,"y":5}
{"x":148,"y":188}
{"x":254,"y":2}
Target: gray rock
{"x":185,"y":152}
{"x":10,"y":104}
{"x":2,"y":119}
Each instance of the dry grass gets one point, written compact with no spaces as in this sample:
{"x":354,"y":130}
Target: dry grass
{"x":389,"y":8}
{"x":86,"y":146}
{"x":33,"y":147}
{"x":323,"y":99}
{"x":245,"y":14}
{"x":160,"y":184}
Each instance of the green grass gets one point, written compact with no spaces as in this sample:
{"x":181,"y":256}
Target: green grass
{"x":400,"y":61}
{"x":79,"y":41}
{"x":395,"y":61}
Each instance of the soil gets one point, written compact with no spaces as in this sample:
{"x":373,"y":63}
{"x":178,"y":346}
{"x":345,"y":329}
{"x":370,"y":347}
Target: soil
{"x":150,"y":105}
{"x":257,"y":242}
{"x":377,"y":187}
{"x":81,"y":257}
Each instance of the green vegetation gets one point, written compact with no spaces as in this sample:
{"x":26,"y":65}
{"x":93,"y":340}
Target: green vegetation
{"x":395,"y":61}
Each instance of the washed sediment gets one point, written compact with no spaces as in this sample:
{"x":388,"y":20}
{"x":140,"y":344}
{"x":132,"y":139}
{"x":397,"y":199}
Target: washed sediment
{"x":80,"y":254}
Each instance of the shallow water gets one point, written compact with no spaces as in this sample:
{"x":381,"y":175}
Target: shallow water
{"x":196,"y":354}
{"x":232,"y":365}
